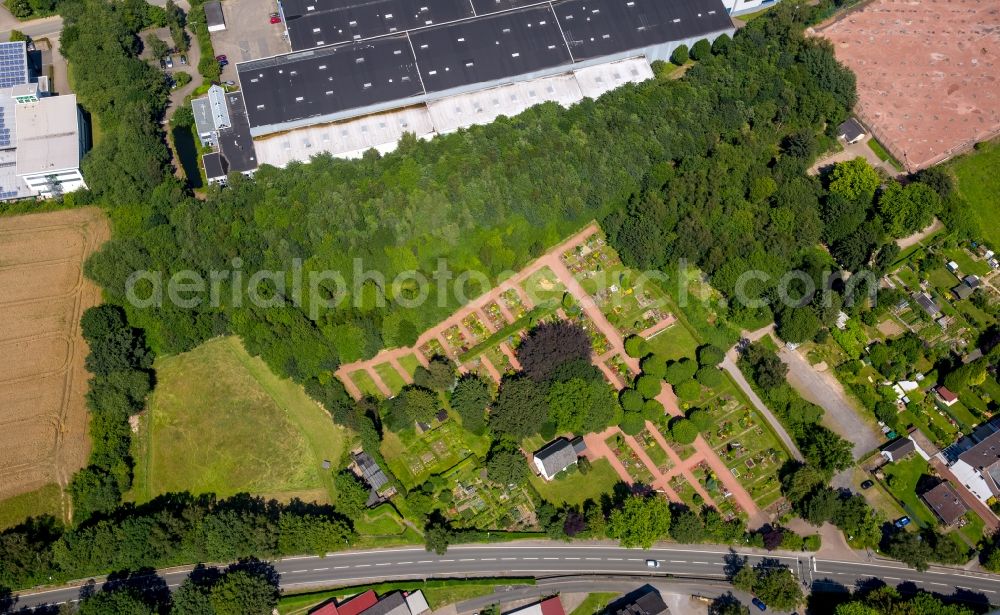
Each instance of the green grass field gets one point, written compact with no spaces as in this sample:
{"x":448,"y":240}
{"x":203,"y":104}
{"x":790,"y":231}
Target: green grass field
{"x":390,"y":377}
{"x":979,"y":184}
{"x":594,"y":603}
{"x":365,"y":383}
{"x":220,"y":421}
{"x":578,"y":488}
{"x":410,"y":363}
{"x":883,"y":154}
{"x":43,"y":501}
{"x":901,"y":479}
{"x":673,"y":343}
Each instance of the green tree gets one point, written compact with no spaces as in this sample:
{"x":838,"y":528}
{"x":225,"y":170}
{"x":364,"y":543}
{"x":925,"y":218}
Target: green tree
{"x":721,"y":44}
{"x":191,"y":598}
{"x":775,"y":585}
{"x":115,"y":602}
{"x":470,"y":400}
{"x":352,"y":494}
{"x":640,"y":521}
{"x":439,"y":375}
{"x":710,"y":355}
{"x":648,"y":386}
{"x":710,"y":377}
{"x":654,"y":365}
{"x":17,"y":35}
{"x":686,"y":526}
{"x":681,"y":370}
{"x":855,"y":180}
{"x":505,"y":464}
{"x":798,"y":325}
{"x":636,"y":347}
{"x":683,"y":431}
{"x":438,"y":536}
{"x":241,"y":592}
{"x":680,"y":55}
{"x":157,"y":48}
{"x":701,"y":50}
{"x":689,"y":390}
{"x":520,"y":409}
{"x":633,"y":423}
{"x":905,"y":210}
{"x":701,"y":419}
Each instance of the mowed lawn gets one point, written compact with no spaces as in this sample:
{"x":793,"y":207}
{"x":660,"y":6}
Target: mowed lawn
{"x":979,"y":184}
{"x":220,"y":421}
{"x":578,"y":488}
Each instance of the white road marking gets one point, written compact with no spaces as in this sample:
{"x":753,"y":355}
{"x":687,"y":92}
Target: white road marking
{"x":320,"y":569}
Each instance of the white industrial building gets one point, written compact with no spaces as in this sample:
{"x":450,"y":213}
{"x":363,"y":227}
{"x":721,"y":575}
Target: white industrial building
{"x":42,"y":137}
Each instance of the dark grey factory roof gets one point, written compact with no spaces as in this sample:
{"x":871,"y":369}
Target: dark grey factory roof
{"x":504,"y":39}
{"x":489,"y":48}
{"x":595,"y":28}
{"x":329,"y":80}
{"x":314,"y":23}
{"x":235,"y":143}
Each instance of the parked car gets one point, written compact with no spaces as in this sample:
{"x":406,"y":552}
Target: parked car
{"x":163,"y":64}
{"x":653,"y":563}
{"x":757,"y":602}
{"x":230,"y":83}
{"x":223,"y":63}
{"x":868,"y":484}
{"x":221,"y":58}
{"x":275,"y":18}
{"x":184,"y":60}
{"x":170,"y":62}
{"x":902,"y":522}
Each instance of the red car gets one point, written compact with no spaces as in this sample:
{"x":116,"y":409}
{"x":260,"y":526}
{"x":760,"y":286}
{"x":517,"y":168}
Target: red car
{"x":221,"y":58}
{"x":275,"y":18}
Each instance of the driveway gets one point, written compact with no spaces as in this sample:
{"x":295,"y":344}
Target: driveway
{"x":841,"y":414}
{"x":852,"y":151}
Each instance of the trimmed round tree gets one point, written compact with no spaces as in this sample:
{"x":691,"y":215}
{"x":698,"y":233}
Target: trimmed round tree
{"x":701,"y":50}
{"x":679,"y":371}
{"x":633,"y":423}
{"x":701,"y":419}
{"x":636,"y":347}
{"x":648,"y":385}
{"x":710,"y":354}
{"x":652,"y":410}
{"x":654,"y":365}
{"x":683,"y":431}
{"x":709,"y":376}
{"x":721,"y":44}
{"x":680,"y":55}
{"x":689,"y":390}
{"x":631,"y":400}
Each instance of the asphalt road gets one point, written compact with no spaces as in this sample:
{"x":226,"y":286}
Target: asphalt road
{"x":553,"y":559}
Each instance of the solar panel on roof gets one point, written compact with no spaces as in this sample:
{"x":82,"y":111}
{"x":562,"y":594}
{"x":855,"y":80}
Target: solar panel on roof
{"x":13,"y":64}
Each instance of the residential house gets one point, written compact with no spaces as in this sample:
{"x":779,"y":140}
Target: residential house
{"x":944,"y":501}
{"x":396,"y":603}
{"x":645,"y":603}
{"x":557,"y":455}
{"x":962,"y":291}
{"x":975,"y":461}
{"x":898,"y":449}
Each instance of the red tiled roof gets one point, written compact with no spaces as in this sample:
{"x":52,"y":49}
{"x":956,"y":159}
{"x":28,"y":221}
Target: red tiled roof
{"x":946,"y":394}
{"x":330,"y":608}
{"x":358,"y":603}
{"x":552,"y":606}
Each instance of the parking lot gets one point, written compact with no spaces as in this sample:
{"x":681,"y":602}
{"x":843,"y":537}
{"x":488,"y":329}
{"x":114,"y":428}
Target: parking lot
{"x":249,"y":34}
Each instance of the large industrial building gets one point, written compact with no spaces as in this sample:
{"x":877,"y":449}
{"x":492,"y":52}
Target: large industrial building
{"x":42,"y":137}
{"x":361,"y":74}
